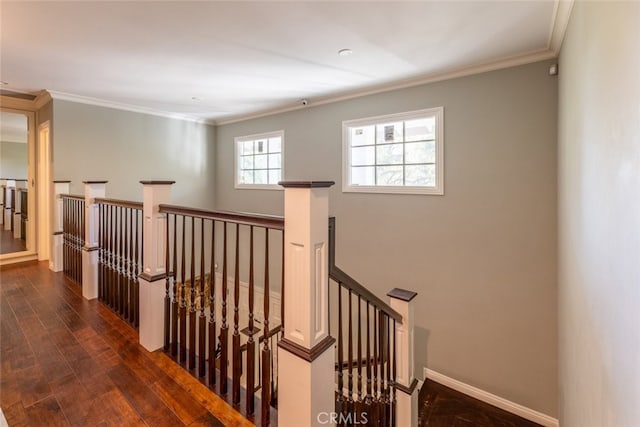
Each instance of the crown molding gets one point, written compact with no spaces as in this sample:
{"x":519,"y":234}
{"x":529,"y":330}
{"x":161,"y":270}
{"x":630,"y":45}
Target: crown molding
{"x":63,"y":96}
{"x":506,"y":62}
{"x":561,"y":16}
{"x":42,"y":99}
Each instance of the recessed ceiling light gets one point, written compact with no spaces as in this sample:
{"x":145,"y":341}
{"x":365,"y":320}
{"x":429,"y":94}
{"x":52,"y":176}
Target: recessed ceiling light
{"x":345,"y":52}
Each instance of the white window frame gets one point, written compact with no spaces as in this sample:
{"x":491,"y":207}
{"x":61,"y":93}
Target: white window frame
{"x":236,"y":164}
{"x":438,"y":189}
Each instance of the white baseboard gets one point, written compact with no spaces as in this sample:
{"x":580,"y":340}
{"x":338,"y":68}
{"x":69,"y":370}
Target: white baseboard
{"x":492,"y":399}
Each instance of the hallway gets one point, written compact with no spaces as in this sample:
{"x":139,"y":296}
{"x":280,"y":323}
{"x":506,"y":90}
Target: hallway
{"x":68,"y":361}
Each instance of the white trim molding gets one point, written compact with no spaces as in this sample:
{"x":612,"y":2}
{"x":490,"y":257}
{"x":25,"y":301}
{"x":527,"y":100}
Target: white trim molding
{"x":125,"y":107}
{"x":492,"y":399}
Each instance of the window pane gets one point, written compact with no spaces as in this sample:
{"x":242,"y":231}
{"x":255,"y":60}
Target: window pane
{"x":363,"y":176}
{"x":363,"y":156}
{"x":389,"y":175}
{"x":389,"y":154}
{"x":246,"y":177}
{"x":274,"y":176}
{"x":261,"y":177}
{"x":362,"y":135}
{"x":261,"y":146}
{"x":246,"y":162}
{"x":275,"y":145}
{"x":260,"y":161}
{"x":274,"y":161}
{"x":420,"y":129}
{"x":247,"y":147}
{"x":420,"y":175}
{"x":420,"y":152}
{"x":389,"y":132}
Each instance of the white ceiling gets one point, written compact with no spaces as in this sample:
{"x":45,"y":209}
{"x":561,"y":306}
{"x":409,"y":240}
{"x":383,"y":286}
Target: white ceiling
{"x":242,"y":58}
{"x":13,"y":127}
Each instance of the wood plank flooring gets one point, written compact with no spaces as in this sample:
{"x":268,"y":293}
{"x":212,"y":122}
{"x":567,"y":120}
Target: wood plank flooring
{"x":441,"y":406}
{"x":10,"y":245}
{"x":68,"y":361}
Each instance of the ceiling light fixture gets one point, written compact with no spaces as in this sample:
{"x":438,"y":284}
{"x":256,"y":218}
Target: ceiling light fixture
{"x":345,"y":52}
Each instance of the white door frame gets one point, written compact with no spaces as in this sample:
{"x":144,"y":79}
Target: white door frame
{"x":44,"y":190}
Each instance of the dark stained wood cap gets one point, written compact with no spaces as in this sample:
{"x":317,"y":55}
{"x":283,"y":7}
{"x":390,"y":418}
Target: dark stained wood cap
{"x":61,"y":181}
{"x":306,"y":184}
{"x":157,"y":182}
{"x":402,"y":294}
{"x":94,"y":182}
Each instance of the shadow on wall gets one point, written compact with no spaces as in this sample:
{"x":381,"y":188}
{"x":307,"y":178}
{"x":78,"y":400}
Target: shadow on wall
{"x":420,"y":342}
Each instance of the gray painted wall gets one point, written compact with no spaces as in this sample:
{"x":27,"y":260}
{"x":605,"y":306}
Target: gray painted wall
{"x":599,"y":216}
{"x":482,"y":257}
{"x":97,"y":143}
{"x":13,"y":160}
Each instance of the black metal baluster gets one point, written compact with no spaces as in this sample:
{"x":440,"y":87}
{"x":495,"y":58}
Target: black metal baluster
{"x":174,"y":296}
{"x":182,"y":318}
{"x":167,"y":290}
{"x":394,"y":376}
{"x":212,"y":308}
{"x":236,"y":320}
{"x":224,"y":328}
{"x":202,"y":332}
{"x":359,"y":385}
{"x":192,"y":299}
{"x":266,"y":351}
{"x":350,"y":356}
{"x":340,"y":397}
{"x":251,"y":369}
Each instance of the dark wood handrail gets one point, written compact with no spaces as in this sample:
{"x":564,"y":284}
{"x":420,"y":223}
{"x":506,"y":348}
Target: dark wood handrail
{"x":71,"y":196}
{"x":352,"y":284}
{"x":268,"y":221}
{"x":117,"y":202}
{"x":272,"y":332}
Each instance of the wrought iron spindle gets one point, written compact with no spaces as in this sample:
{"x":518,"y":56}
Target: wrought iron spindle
{"x":167,"y":290}
{"x":202,"y":332}
{"x":212,"y":308}
{"x":266,"y":351}
{"x":192,"y":300}
{"x":236,"y":321}
{"x":340,"y":397}
{"x":251,"y":369}
{"x":224,"y":328}
{"x":174,"y":294}
{"x":182,"y":318}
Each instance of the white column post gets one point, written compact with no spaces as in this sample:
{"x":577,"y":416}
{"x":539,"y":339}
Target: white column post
{"x":406,"y":390}
{"x":8,"y":203}
{"x":305,"y":353}
{"x":56,"y":259}
{"x":92,"y":190}
{"x":152,"y":279}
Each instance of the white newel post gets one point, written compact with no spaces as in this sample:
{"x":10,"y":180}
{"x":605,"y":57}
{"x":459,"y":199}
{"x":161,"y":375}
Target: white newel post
{"x":56,"y":260}
{"x":92,"y":190}
{"x":8,"y":203}
{"x":406,"y":383}
{"x":152,"y":278}
{"x":305,"y":354}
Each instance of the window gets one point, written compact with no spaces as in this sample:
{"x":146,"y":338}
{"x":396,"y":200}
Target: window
{"x":398,"y":153}
{"x":259,"y":160}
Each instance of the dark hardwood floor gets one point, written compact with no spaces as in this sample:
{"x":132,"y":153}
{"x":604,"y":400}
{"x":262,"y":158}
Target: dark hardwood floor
{"x":9,"y":245}
{"x":441,"y":406}
{"x":68,"y":361}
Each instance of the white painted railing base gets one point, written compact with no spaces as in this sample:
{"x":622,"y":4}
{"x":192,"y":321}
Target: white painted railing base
{"x":492,"y":399}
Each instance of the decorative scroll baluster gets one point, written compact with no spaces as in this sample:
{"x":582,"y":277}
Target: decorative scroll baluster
{"x":182,"y":318}
{"x":266,"y":351}
{"x":367,"y":398}
{"x":340,"y":398}
{"x":167,"y":290}
{"x":174,"y":300}
{"x":192,"y":300}
{"x":236,"y":320}
{"x":212,"y":308}
{"x":359,"y":385}
{"x":201,"y":326}
{"x":250,"y":398}
{"x":350,"y":357}
{"x":224,"y":329}
{"x":394,"y":376}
